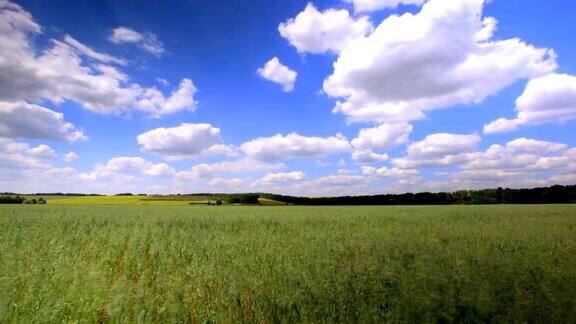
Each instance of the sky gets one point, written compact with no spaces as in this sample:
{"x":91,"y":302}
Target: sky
{"x":339,"y":97}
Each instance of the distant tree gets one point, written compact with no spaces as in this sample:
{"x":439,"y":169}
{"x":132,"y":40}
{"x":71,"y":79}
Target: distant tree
{"x":30,"y":201}
{"x":218,"y":202}
{"x":12,"y":199}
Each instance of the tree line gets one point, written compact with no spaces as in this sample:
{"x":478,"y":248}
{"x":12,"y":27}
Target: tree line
{"x":17,"y":199}
{"x":545,"y":195}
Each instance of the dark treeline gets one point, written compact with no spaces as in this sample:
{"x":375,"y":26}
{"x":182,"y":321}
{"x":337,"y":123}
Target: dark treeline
{"x":547,"y":195}
{"x":71,"y":194}
{"x":10,"y":199}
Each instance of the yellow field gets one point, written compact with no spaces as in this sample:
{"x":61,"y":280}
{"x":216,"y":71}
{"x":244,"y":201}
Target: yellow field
{"x":125,"y":200}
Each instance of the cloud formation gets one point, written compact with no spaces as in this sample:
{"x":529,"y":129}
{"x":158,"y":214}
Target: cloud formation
{"x":374,"y":5}
{"x":293,"y":145}
{"x":317,"y":32}
{"x":433,"y":59}
{"x":23,"y":120}
{"x":147,"y":41}
{"x":436,"y":150}
{"x":383,"y":136}
{"x":546,"y":99}
{"x":184,"y":141}
{"x":278,"y":73}
{"x":67,"y":70}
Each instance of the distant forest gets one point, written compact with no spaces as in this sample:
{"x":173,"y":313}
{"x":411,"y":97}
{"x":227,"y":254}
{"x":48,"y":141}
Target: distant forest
{"x":546,"y":195}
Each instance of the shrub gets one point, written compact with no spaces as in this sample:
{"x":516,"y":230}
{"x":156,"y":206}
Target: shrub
{"x":11,"y":199}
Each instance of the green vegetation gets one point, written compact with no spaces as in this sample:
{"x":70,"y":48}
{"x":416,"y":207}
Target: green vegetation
{"x":503,"y":263}
{"x":130,"y":200}
{"x":545,"y":195}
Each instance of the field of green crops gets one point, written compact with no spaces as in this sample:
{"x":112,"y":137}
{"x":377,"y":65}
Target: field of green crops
{"x":63,"y":263}
{"x":127,"y":200}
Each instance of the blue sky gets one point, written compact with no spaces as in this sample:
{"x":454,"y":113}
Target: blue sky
{"x":422,"y":89}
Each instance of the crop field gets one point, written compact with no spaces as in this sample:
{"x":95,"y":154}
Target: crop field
{"x":501,"y":263}
{"x":128,"y":200}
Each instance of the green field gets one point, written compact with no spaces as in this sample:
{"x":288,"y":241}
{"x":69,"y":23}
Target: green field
{"x":127,"y":200}
{"x":499,"y":263}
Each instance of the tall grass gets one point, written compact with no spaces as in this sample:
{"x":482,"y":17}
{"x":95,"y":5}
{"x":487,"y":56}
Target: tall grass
{"x":321,"y":264}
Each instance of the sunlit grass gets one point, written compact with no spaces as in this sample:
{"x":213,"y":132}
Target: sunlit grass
{"x":412,"y":264}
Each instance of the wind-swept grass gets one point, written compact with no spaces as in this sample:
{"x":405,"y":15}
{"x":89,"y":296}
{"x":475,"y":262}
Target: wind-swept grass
{"x":321,"y":264}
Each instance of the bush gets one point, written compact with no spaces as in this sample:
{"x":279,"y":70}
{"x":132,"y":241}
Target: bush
{"x":11,"y":199}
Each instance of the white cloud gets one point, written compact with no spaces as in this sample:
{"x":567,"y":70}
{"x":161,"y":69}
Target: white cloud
{"x":23,"y":120}
{"x":293,"y":145}
{"x":520,"y":155}
{"x":233,"y":184}
{"x":70,"y":156}
{"x":163,"y":81}
{"x":327,"y":31}
{"x":147,"y":41}
{"x":184,"y":141}
{"x":440,"y":149}
{"x":278,"y":73}
{"x":209,"y":171}
{"x":368,"y":156}
{"x":281,"y":178}
{"x":373,"y":5}
{"x":87,"y":51}
{"x":126,"y":168}
{"x":125,"y":35}
{"x":339,"y":180}
{"x":16,"y":155}
{"x":67,"y":70}
{"x":383,"y":136}
{"x":545,"y":99}
{"x":389,"y":172}
{"x":434,"y":59}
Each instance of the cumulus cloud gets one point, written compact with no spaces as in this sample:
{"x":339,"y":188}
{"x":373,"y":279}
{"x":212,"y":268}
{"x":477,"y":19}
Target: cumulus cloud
{"x":319,"y":32}
{"x":209,"y":171}
{"x":184,"y":141}
{"x":440,"y":149}
{"x":21,"y":155}
{"x":293,"y":145}
{"x":70,"y":156}
{"x":520,"y":155}
{"x":278,"y":73}
{"x":127,"y":168}
{"x":281,"y":178}
{"x":233,"y":184}
{"x":368,"y":156}
{"x":545,"y":99}
{"x":383,"y":136}
{"x":147,"y":41}
{"x":389,"y":172}
{"x":434,"y":59}
{"x":23,"y":120}
{"x":373,"y":5}
{"x":67,"y":70}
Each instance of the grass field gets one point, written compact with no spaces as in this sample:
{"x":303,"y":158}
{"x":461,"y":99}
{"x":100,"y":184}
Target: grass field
{"x":313,"y":264}
{"x":126,"y":200}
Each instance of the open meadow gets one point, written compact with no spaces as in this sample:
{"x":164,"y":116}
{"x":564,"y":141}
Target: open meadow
{"x":503,"y":263}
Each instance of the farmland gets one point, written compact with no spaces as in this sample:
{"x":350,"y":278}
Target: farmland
{"x":504,"y":263}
